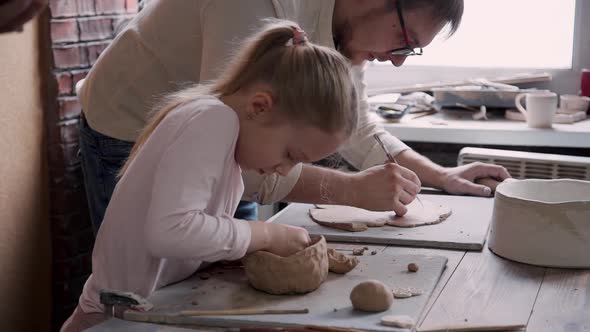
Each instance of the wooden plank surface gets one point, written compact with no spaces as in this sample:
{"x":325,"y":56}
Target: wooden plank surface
{"x":485,"y":291}
{"x":466,"y":228}
{"x":328,"y":306}
{"x":563,"y":303}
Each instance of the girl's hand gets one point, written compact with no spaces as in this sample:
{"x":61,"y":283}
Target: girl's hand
{"x":286,"y":240}
{"x":282,"y":240}
{"x":385,"y":187}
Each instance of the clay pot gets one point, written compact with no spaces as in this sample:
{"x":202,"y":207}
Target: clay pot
{"x":542,"y":222}
{"x":299,"y":273}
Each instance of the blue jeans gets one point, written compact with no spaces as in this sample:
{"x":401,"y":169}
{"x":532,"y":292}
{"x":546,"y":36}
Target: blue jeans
{"x":101,"y":158}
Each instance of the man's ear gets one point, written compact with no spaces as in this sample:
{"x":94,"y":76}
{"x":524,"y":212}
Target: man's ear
{"x":260,"y":106}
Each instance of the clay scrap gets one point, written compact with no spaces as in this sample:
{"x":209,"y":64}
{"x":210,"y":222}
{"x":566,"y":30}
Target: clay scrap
{"x":413,"y":267}
{"x":299,"y":273}
{"x":354,"y":219}
{"x":341,"y":263}
{"x":405,"y":292}
{"x":401,"y":321}
{"x":372,"y":296}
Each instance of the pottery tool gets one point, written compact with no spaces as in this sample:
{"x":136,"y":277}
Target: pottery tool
{"x":114,"y":302}
{"x":243,"y":312}
{"x":423,"y":114}
{"x":390,"y":157}
{"x":133,"y":307}
{"x":393,"y":112}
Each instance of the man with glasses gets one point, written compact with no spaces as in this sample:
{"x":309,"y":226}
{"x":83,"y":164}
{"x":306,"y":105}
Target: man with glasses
{"x":174,"y":43}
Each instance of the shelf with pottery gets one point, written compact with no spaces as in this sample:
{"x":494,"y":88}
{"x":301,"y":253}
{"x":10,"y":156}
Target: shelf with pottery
{"x":458,"y":127}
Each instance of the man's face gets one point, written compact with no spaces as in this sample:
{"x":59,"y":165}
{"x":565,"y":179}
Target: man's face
{"x":376,"y":31}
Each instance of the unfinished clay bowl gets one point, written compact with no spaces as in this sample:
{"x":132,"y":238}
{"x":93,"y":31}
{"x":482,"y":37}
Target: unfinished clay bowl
{"x":542,"y":222}
{"x":299,"y":273}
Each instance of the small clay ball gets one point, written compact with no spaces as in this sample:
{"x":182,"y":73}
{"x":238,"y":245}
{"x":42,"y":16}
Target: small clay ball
{"x":413,"y":267}
{"x":371,"y":295}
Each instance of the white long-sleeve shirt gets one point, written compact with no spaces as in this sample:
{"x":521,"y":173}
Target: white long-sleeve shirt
{"x":174,"y":42}
{"x":172,"y":209}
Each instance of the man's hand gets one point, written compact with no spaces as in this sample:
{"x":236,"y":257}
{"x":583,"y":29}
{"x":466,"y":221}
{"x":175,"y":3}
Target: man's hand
{"x":384,"y":188}
{"x":460,"y":180}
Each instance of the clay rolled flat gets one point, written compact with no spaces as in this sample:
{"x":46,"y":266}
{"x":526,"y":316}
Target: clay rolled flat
{"x":422,"y":214}
{"x":346,"y":226}
{"x":349,"y":214}
{"x":419,"y":214}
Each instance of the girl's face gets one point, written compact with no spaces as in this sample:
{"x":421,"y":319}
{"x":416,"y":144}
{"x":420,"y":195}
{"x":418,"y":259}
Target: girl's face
{"x":268,"y":143}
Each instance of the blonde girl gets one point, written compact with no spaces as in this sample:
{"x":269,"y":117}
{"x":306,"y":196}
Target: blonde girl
{"x":281,"y":101}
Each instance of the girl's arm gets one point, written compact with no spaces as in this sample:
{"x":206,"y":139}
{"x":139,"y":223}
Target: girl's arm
{"x":189,"y":171}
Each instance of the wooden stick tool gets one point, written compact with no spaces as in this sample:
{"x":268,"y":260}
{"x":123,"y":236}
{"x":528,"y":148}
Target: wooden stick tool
{"x":390,"y":157}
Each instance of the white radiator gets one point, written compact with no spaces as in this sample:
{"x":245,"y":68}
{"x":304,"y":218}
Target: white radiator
{"x":529,"y":165}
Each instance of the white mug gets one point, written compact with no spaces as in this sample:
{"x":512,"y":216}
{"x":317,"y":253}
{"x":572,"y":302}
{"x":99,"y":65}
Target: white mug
{"x":540,"y":108}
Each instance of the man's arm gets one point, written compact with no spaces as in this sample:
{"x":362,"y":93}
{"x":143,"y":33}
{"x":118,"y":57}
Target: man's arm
{"x":363,"y":152}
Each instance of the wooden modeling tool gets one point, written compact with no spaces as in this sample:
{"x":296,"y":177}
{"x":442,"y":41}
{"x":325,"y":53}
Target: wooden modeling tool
{"x":390,"y":157}
{"x":243,"y":312}
{"x":132,"y":307}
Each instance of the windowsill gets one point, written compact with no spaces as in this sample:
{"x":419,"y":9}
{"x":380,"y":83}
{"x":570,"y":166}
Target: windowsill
{"x":457,"y":127}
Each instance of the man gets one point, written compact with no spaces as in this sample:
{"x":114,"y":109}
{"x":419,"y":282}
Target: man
{"x":174,"y":43}
{"x":15,"y":13}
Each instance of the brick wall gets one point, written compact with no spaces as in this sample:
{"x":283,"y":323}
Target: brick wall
{"x":80,"y":30}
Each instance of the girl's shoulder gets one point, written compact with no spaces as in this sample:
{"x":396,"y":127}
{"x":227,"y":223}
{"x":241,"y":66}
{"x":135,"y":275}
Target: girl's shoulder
{"x":206,"y":109}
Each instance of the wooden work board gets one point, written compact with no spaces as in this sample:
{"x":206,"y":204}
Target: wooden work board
{"x":329,"y":305}
{"x":466,"y":228}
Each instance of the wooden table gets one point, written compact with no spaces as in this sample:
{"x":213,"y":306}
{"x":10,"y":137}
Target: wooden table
{"x":480,"y":289}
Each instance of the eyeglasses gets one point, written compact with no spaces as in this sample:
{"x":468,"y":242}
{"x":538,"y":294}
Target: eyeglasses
{"x":407,"y":50}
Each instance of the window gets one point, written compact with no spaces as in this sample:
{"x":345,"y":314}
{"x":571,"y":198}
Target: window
{"x":507,"y":33}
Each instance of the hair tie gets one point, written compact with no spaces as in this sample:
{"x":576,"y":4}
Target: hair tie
{"x":299,"y":37}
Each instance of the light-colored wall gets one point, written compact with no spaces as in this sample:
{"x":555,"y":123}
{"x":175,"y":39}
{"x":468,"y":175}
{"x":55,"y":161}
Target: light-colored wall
{"x":24,"y":226}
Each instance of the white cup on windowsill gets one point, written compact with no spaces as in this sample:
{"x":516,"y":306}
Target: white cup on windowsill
{"x":540,"y":108}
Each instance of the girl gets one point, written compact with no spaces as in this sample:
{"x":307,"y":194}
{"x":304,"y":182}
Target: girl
{"x":281,"y":101}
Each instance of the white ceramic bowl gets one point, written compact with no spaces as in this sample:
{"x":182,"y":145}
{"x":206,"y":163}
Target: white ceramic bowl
{"x":542,"y":222}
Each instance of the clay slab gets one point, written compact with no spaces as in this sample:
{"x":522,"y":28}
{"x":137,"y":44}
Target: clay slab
{"x":466,"y":228}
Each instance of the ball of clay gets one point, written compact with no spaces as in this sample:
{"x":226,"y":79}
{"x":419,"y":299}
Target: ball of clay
{"x":371,"y":295}
{"x":413,"y":267}
{"x":299,"y":273}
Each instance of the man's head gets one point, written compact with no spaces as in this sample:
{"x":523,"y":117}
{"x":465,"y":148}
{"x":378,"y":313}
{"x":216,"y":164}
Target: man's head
{"x":368,"y":30}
